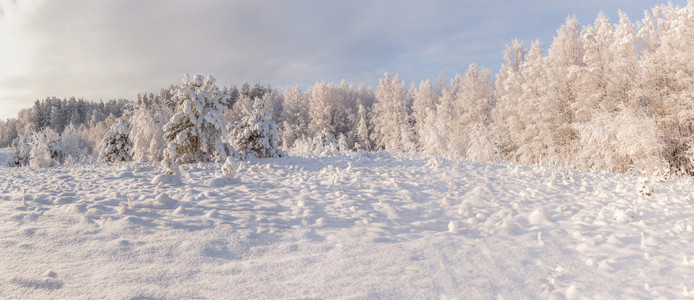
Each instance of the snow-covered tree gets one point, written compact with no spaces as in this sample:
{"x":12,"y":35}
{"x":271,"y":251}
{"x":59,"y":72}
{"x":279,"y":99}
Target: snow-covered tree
{"x":424,"y":101}
{"x":197,"y":126}
{"x":622,"y":86}
{"x":361,"y":133}
{"x":147,"y":131}
{"x":116,"y":145}
{"x":507,"y":122}
{"x":596,"y":73}
{"x":473,"y":108}
{"x":533,"y":130}
{"x":564,"y":65}
{"x":73,"y":146}
{"x":295,"y":115}
{"x":392,"y":127}
{"x":256,"y":134}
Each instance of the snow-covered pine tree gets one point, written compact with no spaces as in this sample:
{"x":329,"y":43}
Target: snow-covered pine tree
{"x":197,"y":126}
{"x":361,"y":132}
{"x":116,"y":145}
{"x":256,"y":134}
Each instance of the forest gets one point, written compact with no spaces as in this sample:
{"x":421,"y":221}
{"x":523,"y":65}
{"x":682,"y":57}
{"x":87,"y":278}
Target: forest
{"x":611,"y":96}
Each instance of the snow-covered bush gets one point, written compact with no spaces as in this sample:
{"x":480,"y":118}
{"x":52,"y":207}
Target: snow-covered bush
{"x":169,"y":163}
{"x":45,"y":149}
{"x":197,"y":127}
{"x":324,"y":144}
{"x":228,"y":168}
{"x":22,"y":148}
{"x":256,"y":134}
{"x":116,"y":145}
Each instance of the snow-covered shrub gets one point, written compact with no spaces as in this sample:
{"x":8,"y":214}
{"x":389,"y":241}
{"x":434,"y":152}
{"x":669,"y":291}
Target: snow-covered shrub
{"x":227,"y":176}
{"x":45,"y":149}
{"x":343,"y":143}
{"x":619,"y":142}
{"x":256,"y":134}
{"x":22,"y":148}
{"x":116,"y":145}
{"x":197,"y":127}
{"x":324,"y":144}
{"x":228,"y":168}
{"x":169,"y":162}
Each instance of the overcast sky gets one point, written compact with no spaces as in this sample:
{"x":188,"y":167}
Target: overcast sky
{"x":114,"y":49}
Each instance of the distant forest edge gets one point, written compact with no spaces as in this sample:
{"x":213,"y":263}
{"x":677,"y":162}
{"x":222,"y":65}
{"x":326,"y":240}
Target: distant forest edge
{"x":608,"y":96}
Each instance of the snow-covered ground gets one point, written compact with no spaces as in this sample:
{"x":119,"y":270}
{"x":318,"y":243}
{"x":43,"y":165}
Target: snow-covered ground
{"x":359,"y":226}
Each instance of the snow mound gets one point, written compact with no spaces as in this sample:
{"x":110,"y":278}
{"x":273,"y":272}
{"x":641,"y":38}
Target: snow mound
{"x":540,"y":216}
{"x":624,"y":217}
{"x":166,"y":179}
{"x":163,"y":200}
{"x":220,"y":181}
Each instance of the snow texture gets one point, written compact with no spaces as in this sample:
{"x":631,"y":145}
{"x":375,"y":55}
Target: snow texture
{"x":347,"y":226}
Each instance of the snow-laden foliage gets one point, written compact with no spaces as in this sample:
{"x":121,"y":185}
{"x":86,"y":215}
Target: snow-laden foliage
{"x":116,"y":145}
{"x":197,"y":127}
{"x":256,"y":134}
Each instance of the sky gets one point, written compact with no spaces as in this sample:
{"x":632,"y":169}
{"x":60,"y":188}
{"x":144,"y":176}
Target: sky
{"x":106,"y":49}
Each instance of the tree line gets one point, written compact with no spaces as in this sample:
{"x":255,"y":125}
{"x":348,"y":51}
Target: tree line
{"x":605,"y":96}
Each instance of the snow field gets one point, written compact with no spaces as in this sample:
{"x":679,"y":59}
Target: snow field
{"x":356,"y":226}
